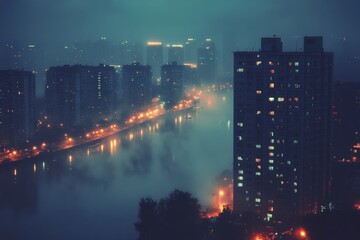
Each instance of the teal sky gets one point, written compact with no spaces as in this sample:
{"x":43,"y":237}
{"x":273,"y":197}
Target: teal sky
{"x":57,"y":20}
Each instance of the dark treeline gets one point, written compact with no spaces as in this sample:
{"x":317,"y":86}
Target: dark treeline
{"x":179,"y":216}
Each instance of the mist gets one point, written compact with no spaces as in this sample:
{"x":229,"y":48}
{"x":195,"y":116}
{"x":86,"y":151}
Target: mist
{"x":184,"y":150}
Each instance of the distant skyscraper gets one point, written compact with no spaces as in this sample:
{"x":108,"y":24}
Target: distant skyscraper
{"x":190,"y":75}
{"x":155,"y":58}
{"x":172,"y":84}
{"x":136,"y":86}
{"x":282,"y":129}
{"x":207,"y":64}
{"x":191,"y":51}
{"x":176,"y":54}
{"x":17,"y":106}
{"x":80,"y":94}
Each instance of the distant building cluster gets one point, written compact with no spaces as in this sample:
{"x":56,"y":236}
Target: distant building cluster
{"x":100,"y":81}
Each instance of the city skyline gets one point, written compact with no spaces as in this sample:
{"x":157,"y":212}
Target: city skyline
{"x":245,"y":112}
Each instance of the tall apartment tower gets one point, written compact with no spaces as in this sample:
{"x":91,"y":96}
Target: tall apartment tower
{"x":207,"y":63}
{"x":155,"y":59}
{"x":175,"y":54}
{"x":282,"y":129}
{"x":17,"y":106}
{"x":80,"y":94}
{"x":136,"y":86}
{"x":172,"y":84}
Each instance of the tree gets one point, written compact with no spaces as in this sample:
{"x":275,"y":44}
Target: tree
{"x":177,"y":216}
{"x":228,"y":226}
{"x":180,"y":216}
{"x":148,"y":219}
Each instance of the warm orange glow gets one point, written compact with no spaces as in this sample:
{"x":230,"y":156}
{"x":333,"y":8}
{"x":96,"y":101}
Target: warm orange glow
{"x":357,"y":206}
{"x":301,"y":233}
{"x":151,"y":43}
{"x":258,"y":237}
{"x":221,"y":193}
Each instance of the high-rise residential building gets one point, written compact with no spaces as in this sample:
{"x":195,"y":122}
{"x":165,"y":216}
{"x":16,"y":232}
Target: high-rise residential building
{"x":136,"y":86}
{"x":80,"y":94}
{"x":175,"y":53}
{"x":17,"y":106}
{"x":190,"y":75}
{"x":155,"y":59}
{"x":172,"y":84}
{"x":282,"y":129}
{"x":190,"y":51}
{"x":207,"y":63}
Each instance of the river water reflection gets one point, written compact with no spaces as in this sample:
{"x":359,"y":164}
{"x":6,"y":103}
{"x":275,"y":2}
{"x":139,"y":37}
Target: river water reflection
{"x":92,"y":192}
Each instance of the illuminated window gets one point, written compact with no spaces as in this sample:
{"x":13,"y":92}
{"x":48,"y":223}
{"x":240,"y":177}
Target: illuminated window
{"x":295,"y":184}
{"x":240,"y":124}
{"x":240,"y":185}
{"x":289,"y":162}
{"x":296,"y":64}
{"x":258,"y":63}
{"x":281,"y":99}
{"x":257,"y":160}
{"x":241,"y":178}
{"x":258,"y":91}
{"x":271,"y":99}
{"x":258,"y":166}
{"x":258,"y":173}
{"x":271,"y":63}
{"x":271,"y":161}
{"x":258,"y":146}
{"x":241,"y":171}
{"x":240,"y":158}
{"x":240,"y":138}
{"x":271,"y":147}
{"x":272,"y":85}
{"x":271,"y":209}
{"x":296,"y":99}
{"x":271,"y":154}
{"x":240,"y":70}
{"x":272,"y":113}
{"x":272,"y":71}
{"x":258,"y":112}
{"x":271,"y":168}
{"x":257,"y":200}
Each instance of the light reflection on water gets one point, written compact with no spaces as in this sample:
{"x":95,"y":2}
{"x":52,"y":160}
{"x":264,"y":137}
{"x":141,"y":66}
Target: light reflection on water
{"x":92,"y":192}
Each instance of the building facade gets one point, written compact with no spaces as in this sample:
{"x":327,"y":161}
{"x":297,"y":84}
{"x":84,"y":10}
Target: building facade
{"x":80,"y":94}
{"x":282,"y":129}
{"x":207,"y":62}
{"x":172,"y":84}
{"x":154,"y":55}
{"x":136,"y":86}
{"x":176,"y":54}
{"x":17,"y":106}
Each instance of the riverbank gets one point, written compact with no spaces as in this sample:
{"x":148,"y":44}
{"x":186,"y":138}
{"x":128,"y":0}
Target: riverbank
{"x":72,"y":143}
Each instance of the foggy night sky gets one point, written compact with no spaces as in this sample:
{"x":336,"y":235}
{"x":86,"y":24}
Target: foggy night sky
{"x":117,"y":19}
{"x":57,"y":21}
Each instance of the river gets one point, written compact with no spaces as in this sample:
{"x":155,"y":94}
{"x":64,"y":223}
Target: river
{"x":92,"y":192}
